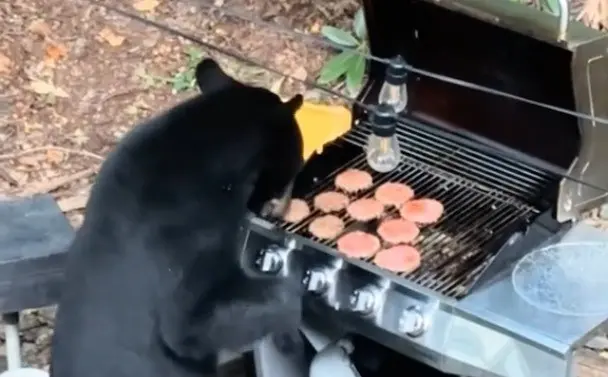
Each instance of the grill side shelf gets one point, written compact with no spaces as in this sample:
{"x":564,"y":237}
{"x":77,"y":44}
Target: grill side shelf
{"x":515,"y":244}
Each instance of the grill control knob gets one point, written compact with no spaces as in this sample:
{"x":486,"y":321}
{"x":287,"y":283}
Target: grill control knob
{"x":316,"y":281}
{"x":273,"y":258}
{"x":270,"y":259}
{"x":364,"y":301}
{"x":412,"y":322}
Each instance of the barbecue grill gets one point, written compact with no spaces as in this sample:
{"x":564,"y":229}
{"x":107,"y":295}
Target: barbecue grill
{"x":494,"y":162}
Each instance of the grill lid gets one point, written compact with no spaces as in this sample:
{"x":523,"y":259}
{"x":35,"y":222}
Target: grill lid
{"x":515,"y":49}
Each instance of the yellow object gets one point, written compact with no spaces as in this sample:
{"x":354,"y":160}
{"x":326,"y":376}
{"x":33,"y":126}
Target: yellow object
{"x":320,"y":125}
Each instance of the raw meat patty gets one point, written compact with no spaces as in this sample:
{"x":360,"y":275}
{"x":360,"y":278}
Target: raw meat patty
{"x":326,"y":227}
{"x":331,"y":201}
{"x":298,"y":211}
{"x":353,"y":180}
{"x":402,"y":258}
{"x":396,"y":231}
{"x":358,"y":244}
{"x":394,"y":194}
{"x":365,"y":209}
{"x":422,"y":211}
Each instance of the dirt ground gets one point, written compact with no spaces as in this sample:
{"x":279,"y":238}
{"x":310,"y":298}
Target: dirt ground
{"x":74,"y":77}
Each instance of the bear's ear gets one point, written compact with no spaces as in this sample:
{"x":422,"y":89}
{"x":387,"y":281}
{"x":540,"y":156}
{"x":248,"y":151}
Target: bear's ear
{"x":295,"y":103}
{"x":211,"y":78}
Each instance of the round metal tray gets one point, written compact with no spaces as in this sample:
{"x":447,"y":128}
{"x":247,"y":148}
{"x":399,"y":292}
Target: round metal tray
{"x":567,"y":279}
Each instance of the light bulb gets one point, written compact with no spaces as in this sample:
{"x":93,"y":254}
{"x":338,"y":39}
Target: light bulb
{"x":382,"y":149}
{"x":394,"y":88}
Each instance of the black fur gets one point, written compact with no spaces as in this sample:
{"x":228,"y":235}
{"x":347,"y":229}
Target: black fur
{"x":153,"y":283}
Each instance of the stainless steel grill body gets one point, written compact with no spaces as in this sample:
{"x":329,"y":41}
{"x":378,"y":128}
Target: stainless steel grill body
{"x":490,"y":332}
{"x":458,"y":312}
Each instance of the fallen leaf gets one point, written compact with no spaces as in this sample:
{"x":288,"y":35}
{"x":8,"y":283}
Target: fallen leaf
{"x":5,"y":64}
{"x":79,"y":137}
{"x":131,"y":110}
{"x":31,"y":161}
{"x":112,"y":38}
{"x":54,"y":156}
{"x":219,"y":31}
{"x":41,"y":87}
{"x":140,"y":103}
{"x":146,"y":5}
{"x":21,"y":177}
{"x":276,"y":86}
{"x":5,"y":175}
{"x":300,"y":73}
{"x":74,"y":202}
{"x":29,"y":127}
{"x":54,"y":52}
{"x":40,"y":27}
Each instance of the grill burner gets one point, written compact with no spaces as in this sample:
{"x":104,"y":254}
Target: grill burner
{"x":483,"y":197}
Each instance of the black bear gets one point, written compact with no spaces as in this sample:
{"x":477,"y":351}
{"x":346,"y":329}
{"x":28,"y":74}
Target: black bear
{"x":154,"y":285}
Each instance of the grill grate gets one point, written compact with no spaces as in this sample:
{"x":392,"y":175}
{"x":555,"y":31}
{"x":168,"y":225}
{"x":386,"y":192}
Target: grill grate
{"x":482,"y":197}
{"x":509,"y":177}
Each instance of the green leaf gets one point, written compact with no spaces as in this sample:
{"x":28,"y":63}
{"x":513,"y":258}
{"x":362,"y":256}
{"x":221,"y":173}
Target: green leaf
{"x":354,"y":75}
{"x":339,"y":36}
{"x":336,"y":67}
{"x":183,"y":81}
{"x":552,"y":6}
{"x":180,"y":85}
{"x":359,"y":25}
{"x":194,"y":53}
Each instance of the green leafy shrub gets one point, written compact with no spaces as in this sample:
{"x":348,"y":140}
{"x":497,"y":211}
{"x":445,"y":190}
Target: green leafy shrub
{"x":348,"y":65}
{"x":181,"y":81}
{"x":184,"y":79}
